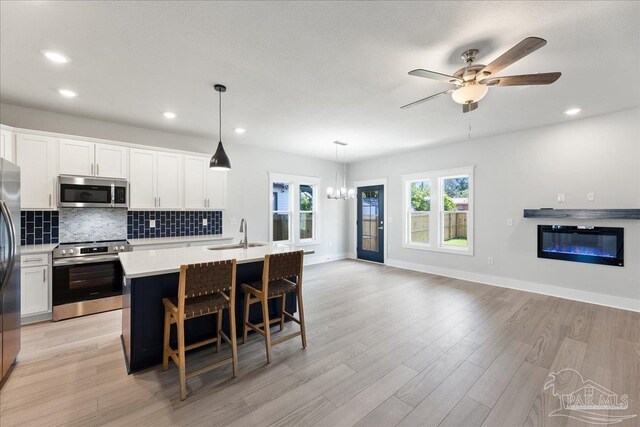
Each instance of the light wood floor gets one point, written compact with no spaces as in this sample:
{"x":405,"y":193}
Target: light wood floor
{"x":386,"y":347}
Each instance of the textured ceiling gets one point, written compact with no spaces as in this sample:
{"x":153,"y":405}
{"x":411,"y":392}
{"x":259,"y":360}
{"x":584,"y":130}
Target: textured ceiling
{"x":303,"y":74}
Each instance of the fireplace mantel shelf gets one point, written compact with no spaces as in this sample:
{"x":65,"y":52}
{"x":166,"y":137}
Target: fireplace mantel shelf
{"x":583,"y":213}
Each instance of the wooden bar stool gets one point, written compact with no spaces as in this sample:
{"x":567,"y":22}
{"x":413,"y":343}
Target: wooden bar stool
{"x":204,"y":289}
{"x":276,"y":283}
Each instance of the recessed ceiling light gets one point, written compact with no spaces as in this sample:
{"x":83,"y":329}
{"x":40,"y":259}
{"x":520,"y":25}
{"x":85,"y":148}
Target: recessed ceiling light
{"x":572,"y":111}
{"x":56,"y":57}
{"x":67,"y":93}
{"x":169,"y":115}
{"x":240,"y":130}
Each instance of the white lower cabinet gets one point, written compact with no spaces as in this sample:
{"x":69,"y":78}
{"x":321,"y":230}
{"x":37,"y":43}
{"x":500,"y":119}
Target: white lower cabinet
{"x":35,"y":288}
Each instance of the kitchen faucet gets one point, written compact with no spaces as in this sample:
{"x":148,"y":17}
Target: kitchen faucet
{"x":243,"y":229}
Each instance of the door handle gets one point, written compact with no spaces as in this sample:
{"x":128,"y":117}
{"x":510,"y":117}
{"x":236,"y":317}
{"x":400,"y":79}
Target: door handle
{"x":380,"y":228}
{"x":12,"y":241}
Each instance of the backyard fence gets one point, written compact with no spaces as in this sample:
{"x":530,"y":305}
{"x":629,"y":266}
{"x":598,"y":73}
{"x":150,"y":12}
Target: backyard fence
{"x":454,"y":226}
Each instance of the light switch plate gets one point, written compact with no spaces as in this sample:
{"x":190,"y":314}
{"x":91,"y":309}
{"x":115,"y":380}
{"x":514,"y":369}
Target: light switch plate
{"x":560,"y":197}
{"x":152,"y":223}
{"x":204,"y":221}
{"x":490,"y":260}
{"x":233,"y":221}
{"x":509,"y":222}
{"x":591,"y":197}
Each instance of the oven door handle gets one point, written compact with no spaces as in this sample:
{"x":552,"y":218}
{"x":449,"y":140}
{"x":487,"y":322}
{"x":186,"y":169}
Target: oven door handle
{"x":85,"y":260}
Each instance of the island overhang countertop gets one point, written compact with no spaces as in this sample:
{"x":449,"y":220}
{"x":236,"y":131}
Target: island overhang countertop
{"x":164,"y":261}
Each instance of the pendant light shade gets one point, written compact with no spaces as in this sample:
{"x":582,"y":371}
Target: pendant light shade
{"x":220,"y":160}
{"x":341,"y":192}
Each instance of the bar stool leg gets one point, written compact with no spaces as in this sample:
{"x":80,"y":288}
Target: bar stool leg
{"x":265,"y":325}
{"x":167,"y":332}
{"x":218,"y":329}
{"x":182,"y":360}
{"x":282,"y":314}
{"x":234,"y":340}
{"x":303,"y":331}
{"x":245,"y":328}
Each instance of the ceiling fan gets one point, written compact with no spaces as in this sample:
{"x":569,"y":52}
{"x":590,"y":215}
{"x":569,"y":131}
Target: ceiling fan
{"x":471,"y":83}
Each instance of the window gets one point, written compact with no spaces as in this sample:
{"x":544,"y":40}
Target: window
{"x":439,"y":211}
{"x":294,"y":208}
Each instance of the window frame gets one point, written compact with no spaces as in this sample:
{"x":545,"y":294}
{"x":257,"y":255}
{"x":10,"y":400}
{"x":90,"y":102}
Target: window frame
{"x":436,"y":181}
{"x":294,"y":182}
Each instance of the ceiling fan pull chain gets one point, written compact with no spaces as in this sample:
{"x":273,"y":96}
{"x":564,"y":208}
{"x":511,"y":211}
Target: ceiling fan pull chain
{"x":469,"y":128}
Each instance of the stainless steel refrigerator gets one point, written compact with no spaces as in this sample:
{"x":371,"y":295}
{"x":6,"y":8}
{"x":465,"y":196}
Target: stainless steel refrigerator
{"x":9,"y":265}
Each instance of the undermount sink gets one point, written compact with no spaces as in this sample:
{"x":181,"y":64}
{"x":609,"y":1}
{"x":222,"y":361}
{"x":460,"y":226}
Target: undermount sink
{"x":234,"y":246}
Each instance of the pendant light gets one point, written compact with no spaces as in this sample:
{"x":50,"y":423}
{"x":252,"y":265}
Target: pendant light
{"x":342,"y":192}
{"x":220,"y":160}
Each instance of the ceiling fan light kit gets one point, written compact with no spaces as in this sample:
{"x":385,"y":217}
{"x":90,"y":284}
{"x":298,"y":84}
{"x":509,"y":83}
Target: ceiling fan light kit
{"x":474,"y":80}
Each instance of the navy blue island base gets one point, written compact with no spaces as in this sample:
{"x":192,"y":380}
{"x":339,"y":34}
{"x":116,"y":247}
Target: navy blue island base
{"x":143,"y":315}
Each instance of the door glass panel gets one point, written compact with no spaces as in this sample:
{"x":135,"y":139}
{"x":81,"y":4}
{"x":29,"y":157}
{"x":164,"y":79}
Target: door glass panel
{"x":370,"y":220}
{"x":455,"y":203}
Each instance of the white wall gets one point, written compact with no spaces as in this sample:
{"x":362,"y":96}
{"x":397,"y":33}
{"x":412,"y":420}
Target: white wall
{"x":527,"y":169}
{"x":248,"y":181}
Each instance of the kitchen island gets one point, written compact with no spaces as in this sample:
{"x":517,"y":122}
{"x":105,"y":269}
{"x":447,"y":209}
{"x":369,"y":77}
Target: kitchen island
{"x":149,"y":276}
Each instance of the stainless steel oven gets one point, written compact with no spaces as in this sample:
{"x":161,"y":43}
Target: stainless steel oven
{"x":87,"y":192}
{"x":87,"y":278}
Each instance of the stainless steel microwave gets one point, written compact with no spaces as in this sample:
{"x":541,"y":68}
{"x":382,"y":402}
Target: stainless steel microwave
{"x":90,"y":192}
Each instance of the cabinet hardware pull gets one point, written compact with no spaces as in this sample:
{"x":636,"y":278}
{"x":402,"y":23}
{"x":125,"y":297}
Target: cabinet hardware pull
{"x":97,"y":169}
{"x":44,"y":276}
{"x":155,"y":202}
{"x":159,"y":204}
{"x":49,"y":200}
{"x":91,"y":168}
{"x":31,"y":260}
{"x":205,"y":203}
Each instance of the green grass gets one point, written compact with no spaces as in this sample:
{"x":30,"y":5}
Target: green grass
{"x":456,"y":242}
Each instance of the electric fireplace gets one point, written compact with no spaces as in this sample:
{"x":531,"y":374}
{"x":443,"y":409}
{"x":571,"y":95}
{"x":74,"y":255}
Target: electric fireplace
{"x":583,"y":243}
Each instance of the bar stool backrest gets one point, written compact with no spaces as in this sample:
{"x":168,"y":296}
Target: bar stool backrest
{"x":206,"y":279}
{"x":282,"y":266}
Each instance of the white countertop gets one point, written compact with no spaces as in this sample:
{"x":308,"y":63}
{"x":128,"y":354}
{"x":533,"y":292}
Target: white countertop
{"x":163,"y":261}
{"x":37,"y":249}
{"x":183,"y":239}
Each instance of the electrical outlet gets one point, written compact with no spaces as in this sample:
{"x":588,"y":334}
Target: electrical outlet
{"x":204,"y":221}
{"x":152,"y":223}
{"x":560,"y":198}
{"x":490,"y":260}
{"x":509,"y":222}
{"x":233,"y":221}
{"x":390,"y":220}
{"x":591,"y":197}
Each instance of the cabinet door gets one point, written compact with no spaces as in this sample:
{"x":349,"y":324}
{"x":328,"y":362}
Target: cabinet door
{"x":36,"y":156}
{"x":169,"y":187}
{"x":6,"y":145}
{"x":142,"y":179}
{"x":195,"y":170}
{"x":76,"y":157}
{"x":111,"y":161}
{"x":216,"y":189}
{"x":34,"y":290}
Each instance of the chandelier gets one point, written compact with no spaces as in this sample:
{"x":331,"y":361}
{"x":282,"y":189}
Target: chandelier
{"x":341,"y":192}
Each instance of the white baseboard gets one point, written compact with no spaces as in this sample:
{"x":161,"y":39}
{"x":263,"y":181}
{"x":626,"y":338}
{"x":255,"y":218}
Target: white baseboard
{"x":319,"y":259}
{"x":522,"y":285}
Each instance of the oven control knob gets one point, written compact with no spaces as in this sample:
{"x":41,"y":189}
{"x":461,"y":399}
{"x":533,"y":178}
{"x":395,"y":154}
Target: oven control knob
{"x":122,"y":248}
{"x":64,"y":252}
{"x":115,"y":249}
{"x":71,"y":251}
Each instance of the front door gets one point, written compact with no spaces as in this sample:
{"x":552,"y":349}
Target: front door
{"x":371,"y":223}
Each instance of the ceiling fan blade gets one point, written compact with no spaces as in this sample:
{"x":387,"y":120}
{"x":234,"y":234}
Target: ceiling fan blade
{"x":420,"y":101}
{"x":522,"y":80}
{"x":435,"y":76}
{"x":469,"y":107}
{"x":519,"y":51}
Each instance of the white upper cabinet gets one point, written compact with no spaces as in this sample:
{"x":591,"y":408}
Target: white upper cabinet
{"x":204,"y":188}
{"x":156,"y":180}
{"x":91,"y":159}
{"x":36,"y":156}
{"x":216,"y":189}
{"x":6,"y":145}
{"x":142,"y":179}
{"x":169,"y":180}
{"x":195,"y":193}
{"x":76,"y":157}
